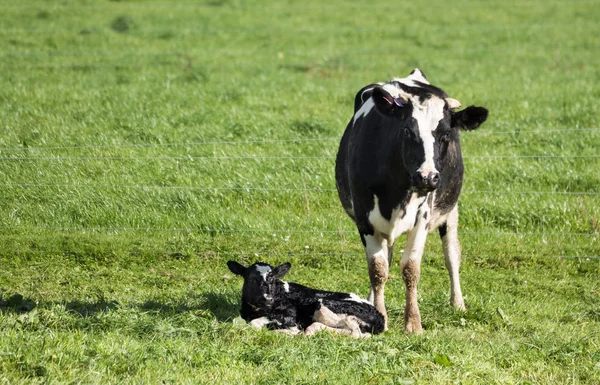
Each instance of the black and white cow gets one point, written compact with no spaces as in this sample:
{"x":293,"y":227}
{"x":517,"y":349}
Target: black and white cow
{"x":269,"y":301}
{"x":399,"y":169}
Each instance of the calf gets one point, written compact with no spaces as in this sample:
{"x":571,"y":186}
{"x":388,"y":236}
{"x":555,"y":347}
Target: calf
{"x":269,"y":301}
{"x":399,"y":169}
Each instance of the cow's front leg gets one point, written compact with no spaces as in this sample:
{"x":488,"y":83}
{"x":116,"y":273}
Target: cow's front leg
{"x":451,"y":246}
{"x":410,"y":266}
{"x":377,"y":258}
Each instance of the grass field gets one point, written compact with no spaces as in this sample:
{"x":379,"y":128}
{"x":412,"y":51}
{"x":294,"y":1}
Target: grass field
{"x":145,"y":143}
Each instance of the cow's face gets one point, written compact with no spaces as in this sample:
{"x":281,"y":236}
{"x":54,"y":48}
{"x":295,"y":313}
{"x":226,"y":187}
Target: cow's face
{"x":260,"y":282}
{"x":426,"y":121}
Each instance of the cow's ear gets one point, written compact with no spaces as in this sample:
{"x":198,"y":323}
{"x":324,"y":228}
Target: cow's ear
{"x":470,"y":118}
{"x":236,"y":268}
{"x":281,"y":270}
{"x":385,"y":102}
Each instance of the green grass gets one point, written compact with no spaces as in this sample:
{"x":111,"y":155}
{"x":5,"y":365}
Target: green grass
{"x":133,"y":164}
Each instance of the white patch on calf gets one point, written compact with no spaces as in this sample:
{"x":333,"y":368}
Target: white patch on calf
{"x":286,"y":287}
{"x":259,"y":323}
{"x":264,"y":271}
{"x":402,"y":219}
{"x":356,"y":298}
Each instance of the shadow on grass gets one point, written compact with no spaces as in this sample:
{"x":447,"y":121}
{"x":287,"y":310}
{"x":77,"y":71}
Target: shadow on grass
{"x":17,"y":304}
{"x":87,"y":309}
{"x":213,"y":304}
{"x":217,"y":304}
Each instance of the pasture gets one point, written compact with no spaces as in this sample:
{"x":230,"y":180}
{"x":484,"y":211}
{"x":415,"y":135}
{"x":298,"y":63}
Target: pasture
{"x":145,"y":143}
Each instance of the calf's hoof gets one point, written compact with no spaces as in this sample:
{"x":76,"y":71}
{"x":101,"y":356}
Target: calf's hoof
{"x":313,"y":328}
{"x":291,"y":331}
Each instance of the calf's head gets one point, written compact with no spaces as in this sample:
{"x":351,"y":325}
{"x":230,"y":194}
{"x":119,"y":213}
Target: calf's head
{"x":260,"y":282}
{"x":426,"y":121}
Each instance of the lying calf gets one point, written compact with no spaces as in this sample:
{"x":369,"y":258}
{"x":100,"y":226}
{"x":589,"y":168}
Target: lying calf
{"x":269,"y":301}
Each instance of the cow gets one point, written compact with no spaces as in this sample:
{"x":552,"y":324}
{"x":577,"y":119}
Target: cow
{"x":291,"y":307}
{"x":399,"y":169}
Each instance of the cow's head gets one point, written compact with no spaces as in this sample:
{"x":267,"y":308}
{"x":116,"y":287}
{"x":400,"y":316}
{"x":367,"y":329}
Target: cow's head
{"x":427,"y":122}
{"x":260,"y":282}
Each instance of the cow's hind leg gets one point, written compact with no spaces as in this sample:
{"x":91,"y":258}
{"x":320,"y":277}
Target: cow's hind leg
{"x":410,"y":266}
{"x":376,"y":248}
{"x":451,"y":247}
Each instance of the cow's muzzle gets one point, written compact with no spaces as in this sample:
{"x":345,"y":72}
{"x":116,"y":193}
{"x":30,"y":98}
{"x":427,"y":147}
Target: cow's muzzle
{"x":426,"y":181}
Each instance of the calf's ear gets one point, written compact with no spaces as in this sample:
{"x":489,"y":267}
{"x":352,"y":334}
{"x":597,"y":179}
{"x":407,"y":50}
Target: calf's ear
{"x":281,"y":270}
{"x":385,"y":102}
{"x":470,"y":118}
{"x":236,"y":268}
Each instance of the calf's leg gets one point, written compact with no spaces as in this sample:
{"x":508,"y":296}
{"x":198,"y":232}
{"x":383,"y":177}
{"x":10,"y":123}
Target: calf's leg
{"x":325,"y":319}
{"x":451,"y":246}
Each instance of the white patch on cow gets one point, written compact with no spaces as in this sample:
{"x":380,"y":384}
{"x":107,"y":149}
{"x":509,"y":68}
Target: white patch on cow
{"x":436,"y":220}
{"x":286,"y":287}
{"x":391,"y":89}
{"x":428,"y":116}
{"x":259,"y":323}
{"x":418,"y":75}
{"x":264,"y":271}
{"x":356,"y":298}
{"x":402,"y":219}
{"x":364,"y":109}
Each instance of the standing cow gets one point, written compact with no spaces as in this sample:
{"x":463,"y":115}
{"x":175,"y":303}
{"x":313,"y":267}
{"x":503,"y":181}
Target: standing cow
{"x":399,"y":170}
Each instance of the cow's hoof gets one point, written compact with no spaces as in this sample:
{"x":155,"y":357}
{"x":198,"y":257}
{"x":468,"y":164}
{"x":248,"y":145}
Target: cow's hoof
{"x":458,"y":305}
{"x":413,"y":328}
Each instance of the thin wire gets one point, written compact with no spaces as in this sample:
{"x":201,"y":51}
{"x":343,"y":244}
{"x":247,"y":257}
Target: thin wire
{"x":271,"y":231}
{"x":297,"y":140}
{"x":168,"y":187}
{"x":333,"y":28}
{"x":170,"y":144}
{"x":149,"y":187}
{"x":279,"y":255}
{"x":287,"y":6}
{"x":193,"y":158}
{"x":242,"y":51}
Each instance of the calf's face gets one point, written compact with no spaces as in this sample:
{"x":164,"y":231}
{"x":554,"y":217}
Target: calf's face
{"x":260,"y":282}
{"x":425,"y":121}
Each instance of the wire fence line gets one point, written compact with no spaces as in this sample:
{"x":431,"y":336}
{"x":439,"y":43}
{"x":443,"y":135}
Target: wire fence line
{"x":321,"y":6}
{"x":260,"y":254}
{"x":277,"y":231}
{"x":326,"y":28}
{"x":203,"y":158}
{"x":289,"y":52}
{"x":270,"y":141}
{"x":248,"y":189}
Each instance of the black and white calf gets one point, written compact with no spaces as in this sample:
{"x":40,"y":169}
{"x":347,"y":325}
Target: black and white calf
{"x":269,"y":301}
{"x":399,"y":169}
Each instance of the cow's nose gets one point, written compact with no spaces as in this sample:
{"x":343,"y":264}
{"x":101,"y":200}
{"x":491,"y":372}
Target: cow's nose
{"x":426,"y":181}
{"x":433,"y":179}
